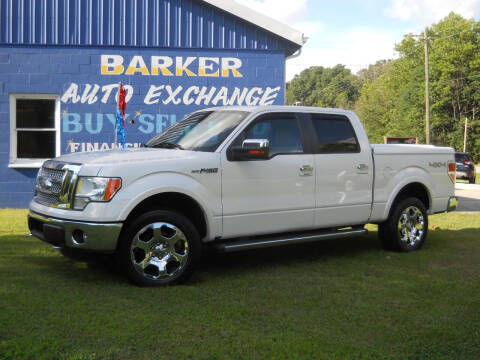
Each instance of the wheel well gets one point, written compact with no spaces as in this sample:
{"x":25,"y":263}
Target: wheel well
{"x":178,"y":202}
{"x":416,"y":190}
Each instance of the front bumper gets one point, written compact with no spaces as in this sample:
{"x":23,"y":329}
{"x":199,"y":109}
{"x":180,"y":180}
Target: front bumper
{"x":452,"y":203}
{"x":98,"y":237}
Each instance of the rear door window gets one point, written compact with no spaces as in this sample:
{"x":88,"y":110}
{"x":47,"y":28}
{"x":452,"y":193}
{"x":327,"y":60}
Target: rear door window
{"x":334,"y":134}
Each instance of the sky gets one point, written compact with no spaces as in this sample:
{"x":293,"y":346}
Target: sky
{"x":356,"y":33}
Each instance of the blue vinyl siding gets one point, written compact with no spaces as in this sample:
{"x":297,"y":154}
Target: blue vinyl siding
{"x":146,"y":23}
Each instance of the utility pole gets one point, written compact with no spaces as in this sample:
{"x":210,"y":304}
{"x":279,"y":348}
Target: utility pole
{"x":465,"y":135}
{"x":427,"y":97}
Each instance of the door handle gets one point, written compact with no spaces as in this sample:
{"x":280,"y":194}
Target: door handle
{"x":362,"y":168}
{"x":306,"y":170}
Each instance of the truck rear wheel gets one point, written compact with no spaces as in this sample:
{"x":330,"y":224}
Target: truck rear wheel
{"x":407,"y":226}
{"x":160,"y":248}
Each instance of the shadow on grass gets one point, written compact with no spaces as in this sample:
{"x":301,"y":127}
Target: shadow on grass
{"x":293,"y":254}
{"x":32,"y":254}
{"x":214,"y":263}
{"x":97,"y":271}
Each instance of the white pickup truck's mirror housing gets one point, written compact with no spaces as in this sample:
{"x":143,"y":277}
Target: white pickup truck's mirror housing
{"x":259,"y":144}
{"x":251,"y":149}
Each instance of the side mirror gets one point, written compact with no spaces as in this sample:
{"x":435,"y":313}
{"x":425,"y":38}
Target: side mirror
{"x":251,"y":149}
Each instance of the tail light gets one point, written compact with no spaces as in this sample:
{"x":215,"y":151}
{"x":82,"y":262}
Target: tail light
{"x":452,"y":170}
{"x":467,"y":162}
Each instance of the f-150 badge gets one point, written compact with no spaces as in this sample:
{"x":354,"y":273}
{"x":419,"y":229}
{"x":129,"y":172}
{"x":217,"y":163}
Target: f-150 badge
{"x":206,"y":171}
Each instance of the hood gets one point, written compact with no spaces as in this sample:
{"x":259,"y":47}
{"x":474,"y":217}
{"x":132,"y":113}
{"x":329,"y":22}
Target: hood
{"x":118,"y":156}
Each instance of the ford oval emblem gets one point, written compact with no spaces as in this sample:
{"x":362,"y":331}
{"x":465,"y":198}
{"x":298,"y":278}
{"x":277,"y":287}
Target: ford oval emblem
{"x":46,"y":183}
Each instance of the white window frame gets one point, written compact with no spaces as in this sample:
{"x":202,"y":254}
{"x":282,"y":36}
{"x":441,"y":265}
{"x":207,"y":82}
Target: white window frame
{"x":15,"y":162}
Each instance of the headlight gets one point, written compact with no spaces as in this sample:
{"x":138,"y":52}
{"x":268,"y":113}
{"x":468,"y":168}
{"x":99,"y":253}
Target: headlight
{"x":95,"y":189}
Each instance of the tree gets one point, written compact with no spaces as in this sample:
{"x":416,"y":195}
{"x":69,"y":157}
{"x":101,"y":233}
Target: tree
{"x":373,"y":71}
{"x":393,"y":104}
{"x":389,"y":96}
{"x":384,"y":105}
{"x":455,"y":78}
{"x":325,"y":87}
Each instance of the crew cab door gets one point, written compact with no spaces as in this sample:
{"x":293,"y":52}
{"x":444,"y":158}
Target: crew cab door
{"x":271,"y":195}
{"x":344,"y":171}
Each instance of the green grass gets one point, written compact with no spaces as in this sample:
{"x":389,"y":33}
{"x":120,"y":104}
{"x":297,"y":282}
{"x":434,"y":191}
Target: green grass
{"x":344,"y":299}
{"x":477,"y":180}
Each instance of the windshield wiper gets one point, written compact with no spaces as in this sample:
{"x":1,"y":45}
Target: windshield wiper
{"x":167,"y":145}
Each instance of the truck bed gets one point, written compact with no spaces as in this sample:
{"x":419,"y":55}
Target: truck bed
{"x":396,"y":165}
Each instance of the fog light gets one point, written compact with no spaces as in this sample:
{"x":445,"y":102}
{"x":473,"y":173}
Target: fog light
{"x":79,"y":237}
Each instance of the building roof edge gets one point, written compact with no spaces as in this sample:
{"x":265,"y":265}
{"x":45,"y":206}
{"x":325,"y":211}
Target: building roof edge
{"x":276,"y":27}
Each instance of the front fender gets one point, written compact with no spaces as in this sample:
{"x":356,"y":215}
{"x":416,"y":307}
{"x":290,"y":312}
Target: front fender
{"x":206,"y":193}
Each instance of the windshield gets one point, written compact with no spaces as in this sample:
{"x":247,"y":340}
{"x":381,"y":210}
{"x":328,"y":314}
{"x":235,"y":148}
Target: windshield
{"x":200,"y":131}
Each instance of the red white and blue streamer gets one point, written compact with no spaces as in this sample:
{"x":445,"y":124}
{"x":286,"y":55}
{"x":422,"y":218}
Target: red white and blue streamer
{"x":120,"y":121}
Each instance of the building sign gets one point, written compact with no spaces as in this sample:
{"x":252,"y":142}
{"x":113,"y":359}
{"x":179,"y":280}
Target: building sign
{"x":161,"y":88}
{"x":164,"y":65}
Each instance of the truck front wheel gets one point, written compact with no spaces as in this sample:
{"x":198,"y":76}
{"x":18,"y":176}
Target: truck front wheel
{"x":159,"y":248}
{"x":407,"y":226}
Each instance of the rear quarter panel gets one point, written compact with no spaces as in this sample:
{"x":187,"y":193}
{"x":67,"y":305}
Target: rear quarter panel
{"x":397,"y":166}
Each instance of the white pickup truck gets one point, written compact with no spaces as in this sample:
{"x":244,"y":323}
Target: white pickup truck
{"x":239,"y":178}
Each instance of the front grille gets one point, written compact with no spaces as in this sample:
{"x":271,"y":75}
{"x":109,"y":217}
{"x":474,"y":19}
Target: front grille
{"x":47,"y":199}
{"x":56,"y":188}
{"x":55,"y":183}
{"x":53,"y":174}
{"x":49,"y":186}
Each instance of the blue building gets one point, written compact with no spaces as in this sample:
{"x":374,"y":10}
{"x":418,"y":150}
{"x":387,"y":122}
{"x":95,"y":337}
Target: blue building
{"x":61,"y":62}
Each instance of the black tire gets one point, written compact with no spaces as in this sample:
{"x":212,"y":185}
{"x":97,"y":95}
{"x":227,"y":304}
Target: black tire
{"x":472,"y":180}
{"x":147,"y":241}
{"x":394,"y":236}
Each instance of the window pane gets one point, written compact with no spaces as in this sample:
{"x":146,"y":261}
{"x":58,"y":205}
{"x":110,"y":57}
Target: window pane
{"x":282,"y":132}
{"x":35,"y":144}
{"x":35,"y":113}
{"x":335,"y":135}
{"x":462,"y":157}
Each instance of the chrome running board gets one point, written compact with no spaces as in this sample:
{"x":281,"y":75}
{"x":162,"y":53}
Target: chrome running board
{"x":270,"y":241}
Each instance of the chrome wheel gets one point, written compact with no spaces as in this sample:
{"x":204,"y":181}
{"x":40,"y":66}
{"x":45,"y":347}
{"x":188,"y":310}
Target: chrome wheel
{"x":159,"y":251}
{"x":411,"y":226}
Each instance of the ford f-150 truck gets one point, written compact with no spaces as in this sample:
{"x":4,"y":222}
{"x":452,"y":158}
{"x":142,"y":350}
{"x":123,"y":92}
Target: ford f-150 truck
{"x":239,"y":178}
